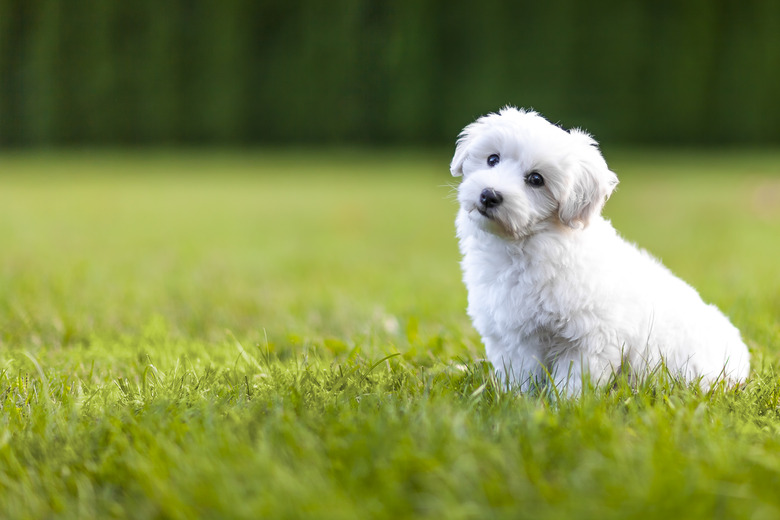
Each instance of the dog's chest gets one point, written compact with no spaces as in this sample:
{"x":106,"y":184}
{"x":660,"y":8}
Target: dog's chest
{"x":507,"y":291}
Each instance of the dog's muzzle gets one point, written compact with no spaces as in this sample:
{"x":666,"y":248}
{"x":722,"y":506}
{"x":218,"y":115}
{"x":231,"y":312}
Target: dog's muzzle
{"x":488,"y":199}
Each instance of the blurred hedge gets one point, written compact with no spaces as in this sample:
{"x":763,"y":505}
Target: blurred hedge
{"x":365,"y":71}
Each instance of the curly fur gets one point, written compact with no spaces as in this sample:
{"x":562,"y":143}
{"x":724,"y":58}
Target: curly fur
{"x":553,"y":290}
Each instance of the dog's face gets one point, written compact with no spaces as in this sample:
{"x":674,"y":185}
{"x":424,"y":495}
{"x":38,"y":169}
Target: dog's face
{"x":522,"y":174}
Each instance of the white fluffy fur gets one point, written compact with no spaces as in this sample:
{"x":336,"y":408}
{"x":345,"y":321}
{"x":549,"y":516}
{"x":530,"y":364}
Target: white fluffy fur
{"x":552,"y":288}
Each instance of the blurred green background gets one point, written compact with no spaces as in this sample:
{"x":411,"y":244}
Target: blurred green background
{"x":240,"y":72}
{"x":218,"y":217}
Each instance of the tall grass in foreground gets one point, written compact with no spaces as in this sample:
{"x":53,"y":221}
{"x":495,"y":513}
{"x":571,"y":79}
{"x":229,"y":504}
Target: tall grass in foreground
{"x":283,"y":336}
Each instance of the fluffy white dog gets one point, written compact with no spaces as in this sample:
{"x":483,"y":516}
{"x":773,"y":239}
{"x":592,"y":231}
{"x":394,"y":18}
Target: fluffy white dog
{"x":554,"y":291}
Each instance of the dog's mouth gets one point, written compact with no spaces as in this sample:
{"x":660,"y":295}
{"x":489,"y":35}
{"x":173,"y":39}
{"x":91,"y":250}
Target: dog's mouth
{"x":485,"y":212}
{"x":495,"y":221}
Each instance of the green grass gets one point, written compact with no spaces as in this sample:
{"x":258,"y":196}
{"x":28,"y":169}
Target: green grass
{"x":283,"y":335}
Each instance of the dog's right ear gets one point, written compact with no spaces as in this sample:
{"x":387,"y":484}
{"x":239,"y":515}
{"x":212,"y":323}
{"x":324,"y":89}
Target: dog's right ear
{"x":592,"y":183}
{"x":464,"y":140}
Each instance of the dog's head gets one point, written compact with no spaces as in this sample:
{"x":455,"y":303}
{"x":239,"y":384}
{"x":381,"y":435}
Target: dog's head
{"x":522,"y":174}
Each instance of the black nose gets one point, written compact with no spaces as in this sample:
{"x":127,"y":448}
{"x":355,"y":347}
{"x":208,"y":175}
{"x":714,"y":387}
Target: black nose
{"x":490,"y":198}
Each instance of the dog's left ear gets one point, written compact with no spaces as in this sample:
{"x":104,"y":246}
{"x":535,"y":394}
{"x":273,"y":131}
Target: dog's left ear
{"x":592,"y":183}
{"x":464,"y":140}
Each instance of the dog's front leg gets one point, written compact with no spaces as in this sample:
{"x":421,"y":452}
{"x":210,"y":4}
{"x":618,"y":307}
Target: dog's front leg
{"x":571,"y":371}
{"x":521,"y":368}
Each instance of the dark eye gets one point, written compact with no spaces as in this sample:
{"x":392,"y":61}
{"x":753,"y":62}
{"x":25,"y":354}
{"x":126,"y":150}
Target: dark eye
{"x":493,"y":160}
{"x":535,"y":179}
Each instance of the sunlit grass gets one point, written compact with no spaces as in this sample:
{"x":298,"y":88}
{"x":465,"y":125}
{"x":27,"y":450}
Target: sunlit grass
{"x":283,"y":335}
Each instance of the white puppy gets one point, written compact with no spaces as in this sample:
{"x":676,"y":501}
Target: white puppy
{"x":552,"y":288}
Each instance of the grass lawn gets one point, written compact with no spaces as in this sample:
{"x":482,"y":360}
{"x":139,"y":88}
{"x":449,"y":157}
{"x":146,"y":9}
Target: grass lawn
{"x":283,"y":335}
